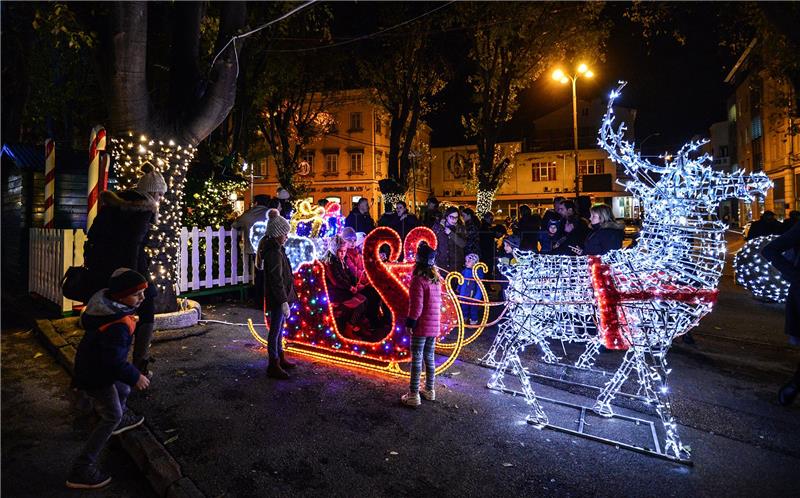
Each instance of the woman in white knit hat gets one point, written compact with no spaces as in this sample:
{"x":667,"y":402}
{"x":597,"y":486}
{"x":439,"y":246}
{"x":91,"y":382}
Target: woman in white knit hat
{"x":117,"y":239}
{"x":278,"y":289}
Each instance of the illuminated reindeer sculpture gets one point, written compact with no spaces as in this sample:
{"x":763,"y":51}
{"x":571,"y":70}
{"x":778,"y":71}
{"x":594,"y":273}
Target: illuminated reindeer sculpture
{"x":635,"y":299}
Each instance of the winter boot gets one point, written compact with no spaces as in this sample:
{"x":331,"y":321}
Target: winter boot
{"x":286,"y":364}
{"x":275,"y":371}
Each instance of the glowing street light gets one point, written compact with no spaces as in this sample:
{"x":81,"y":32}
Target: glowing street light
{"x":559,"y":75}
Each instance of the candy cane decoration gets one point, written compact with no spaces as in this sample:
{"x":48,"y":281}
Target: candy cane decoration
{"x":49,"y":181}
{"x":97,"y":144}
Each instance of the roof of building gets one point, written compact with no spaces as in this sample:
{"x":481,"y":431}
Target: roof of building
{"x":31,"y":157}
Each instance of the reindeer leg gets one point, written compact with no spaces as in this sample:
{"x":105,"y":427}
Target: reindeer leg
{"x":652,"y":380}
{"x":603,"y":404}
{"x":507,"y":333}
{"x":586,"y":360}
{"x":538,"y":418}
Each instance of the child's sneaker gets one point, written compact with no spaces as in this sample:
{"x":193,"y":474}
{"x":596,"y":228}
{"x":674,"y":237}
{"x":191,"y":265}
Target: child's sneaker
{"x":411,"y":399}
{"x":473,"y":322}
{"x":129,"y":421}
{"x":429,"y":395}
{"x":88,"y":477}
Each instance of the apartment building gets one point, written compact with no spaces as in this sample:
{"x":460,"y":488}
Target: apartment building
{"x":347,"y":164}
{"x":544,"y":166}
{"x":762,"y":112}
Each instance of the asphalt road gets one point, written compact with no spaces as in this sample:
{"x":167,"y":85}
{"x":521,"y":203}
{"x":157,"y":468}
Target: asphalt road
{"x":338,"y":432}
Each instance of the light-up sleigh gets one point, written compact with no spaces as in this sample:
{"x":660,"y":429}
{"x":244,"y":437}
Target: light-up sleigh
{"x":315,"y":327}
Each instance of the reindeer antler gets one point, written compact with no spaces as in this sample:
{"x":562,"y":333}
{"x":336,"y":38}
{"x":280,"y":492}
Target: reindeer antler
{"x":620,"y":150}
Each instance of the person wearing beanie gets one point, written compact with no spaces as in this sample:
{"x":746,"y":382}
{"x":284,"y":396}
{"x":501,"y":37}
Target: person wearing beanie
{"x":285,"y":199}
{"x":118,"y":238}
{"x":424,"y":324}
{"x":103,"y":372}
{"x":278,"y":289}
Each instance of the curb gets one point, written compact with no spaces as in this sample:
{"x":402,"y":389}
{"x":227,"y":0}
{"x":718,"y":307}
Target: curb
{"x":159,"y":467}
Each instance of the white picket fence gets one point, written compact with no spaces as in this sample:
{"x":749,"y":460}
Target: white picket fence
{"x":52,"y":251}
{"x":208,"y":267}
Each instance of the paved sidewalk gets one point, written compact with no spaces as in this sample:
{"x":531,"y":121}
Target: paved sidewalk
{"x":43,"y":430}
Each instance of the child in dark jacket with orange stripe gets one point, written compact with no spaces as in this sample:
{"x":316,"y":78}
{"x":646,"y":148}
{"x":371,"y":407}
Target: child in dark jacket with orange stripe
{"x":103,"y":371}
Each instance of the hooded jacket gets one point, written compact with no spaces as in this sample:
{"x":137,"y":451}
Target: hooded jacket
{"x":118,"y":235}
{"x":278,"y":277}
{"x":102,"y":356}
{"x":424,"y":307}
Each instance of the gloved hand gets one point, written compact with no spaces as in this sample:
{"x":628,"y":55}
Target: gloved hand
{"x":285,"y":309}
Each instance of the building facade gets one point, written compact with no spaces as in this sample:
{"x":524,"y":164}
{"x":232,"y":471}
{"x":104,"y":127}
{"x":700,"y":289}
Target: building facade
{"x":762,"y":114}
{"x":346,"y":164}
{"x":543,"y":167}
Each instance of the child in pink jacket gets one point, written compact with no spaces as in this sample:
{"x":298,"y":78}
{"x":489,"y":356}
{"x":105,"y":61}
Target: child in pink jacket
{"x":424,"y":323}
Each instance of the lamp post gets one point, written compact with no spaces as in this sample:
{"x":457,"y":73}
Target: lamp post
{"x":564,"y":78}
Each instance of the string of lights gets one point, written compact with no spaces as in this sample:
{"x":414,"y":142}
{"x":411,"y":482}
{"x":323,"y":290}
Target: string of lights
{"x":637,"y":300}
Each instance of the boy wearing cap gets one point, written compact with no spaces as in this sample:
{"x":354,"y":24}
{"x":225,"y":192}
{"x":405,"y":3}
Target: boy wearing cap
{"x":103,"y":371}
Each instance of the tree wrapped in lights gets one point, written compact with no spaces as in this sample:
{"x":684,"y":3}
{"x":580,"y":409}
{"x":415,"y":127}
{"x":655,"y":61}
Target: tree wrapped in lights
{"x":639,"y":299}
{"x":172,"y":161}
{"x":214,"y":205}
{"x":756,"y":274}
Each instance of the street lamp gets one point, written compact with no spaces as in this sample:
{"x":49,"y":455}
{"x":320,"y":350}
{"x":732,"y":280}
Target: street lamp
{"x":564,"y":78}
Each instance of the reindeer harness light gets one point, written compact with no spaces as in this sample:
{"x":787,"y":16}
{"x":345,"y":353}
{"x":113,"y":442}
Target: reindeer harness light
{"x":636,"y":299}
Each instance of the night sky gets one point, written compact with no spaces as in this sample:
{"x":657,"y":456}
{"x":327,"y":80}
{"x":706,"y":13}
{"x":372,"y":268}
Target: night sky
{"x":678,"y":90}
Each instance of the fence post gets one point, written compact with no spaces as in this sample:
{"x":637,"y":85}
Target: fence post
{"x":209,"y":259}
{"x":67,"y":241}
{"x":221,"y":257}
{"x":195,"y":259}
{"x":183,"y":261}
{"x":234,"y":257}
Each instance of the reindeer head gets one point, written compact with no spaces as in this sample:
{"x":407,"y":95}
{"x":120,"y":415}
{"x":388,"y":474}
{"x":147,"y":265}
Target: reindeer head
{"x":683,"y":187}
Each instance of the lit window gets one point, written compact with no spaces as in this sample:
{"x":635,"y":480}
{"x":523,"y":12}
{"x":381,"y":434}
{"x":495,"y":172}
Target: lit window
{"x":591,"y":166}
{"x":543,"y":171}
{"x":264,"y":167}
{"x":331,"y":163}
{"x":356,"y":162}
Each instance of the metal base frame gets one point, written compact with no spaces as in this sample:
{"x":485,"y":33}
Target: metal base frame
{"x":580,"y":431}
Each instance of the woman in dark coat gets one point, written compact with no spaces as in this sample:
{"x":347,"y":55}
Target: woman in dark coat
{"x":776,"y":252}
{"x":606,"y":233}
{"x":117,"y":239}
{"x":278,"y":289}
{"x":451,"y":240}
{"x":359,"y":218}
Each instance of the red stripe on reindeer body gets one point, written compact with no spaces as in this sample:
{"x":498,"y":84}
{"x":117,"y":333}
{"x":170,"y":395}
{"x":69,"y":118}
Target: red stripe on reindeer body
{"x":612,"y":325}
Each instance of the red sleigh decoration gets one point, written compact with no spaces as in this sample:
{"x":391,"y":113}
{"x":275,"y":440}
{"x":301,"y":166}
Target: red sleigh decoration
{"x":311,"y":329}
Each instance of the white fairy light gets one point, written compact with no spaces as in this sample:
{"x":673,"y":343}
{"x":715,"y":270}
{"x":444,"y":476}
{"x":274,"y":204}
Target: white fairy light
{"x":129,"y":157}
{"x":636,"y":299}
{"x":756,"y":274}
